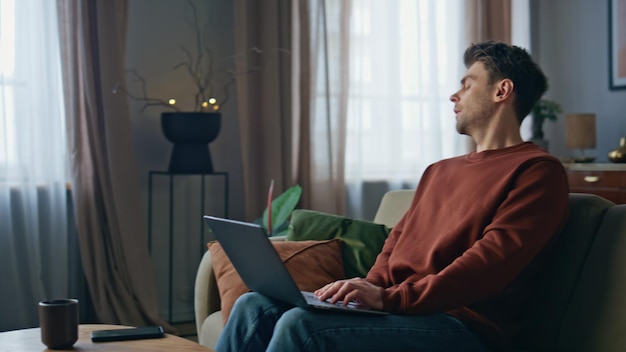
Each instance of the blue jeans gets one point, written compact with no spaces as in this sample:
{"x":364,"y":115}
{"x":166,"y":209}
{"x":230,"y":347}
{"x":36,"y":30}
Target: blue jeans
{"x":259,"y":323}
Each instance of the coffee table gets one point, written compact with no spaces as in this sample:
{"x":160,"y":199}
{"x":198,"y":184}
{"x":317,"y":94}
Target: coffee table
{"x":30,"y":340}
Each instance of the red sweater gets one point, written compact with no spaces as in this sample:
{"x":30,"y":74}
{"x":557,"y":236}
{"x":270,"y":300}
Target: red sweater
{"x":475,"y":224}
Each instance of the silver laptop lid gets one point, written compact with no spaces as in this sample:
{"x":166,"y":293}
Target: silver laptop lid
{"x":255,"y":259}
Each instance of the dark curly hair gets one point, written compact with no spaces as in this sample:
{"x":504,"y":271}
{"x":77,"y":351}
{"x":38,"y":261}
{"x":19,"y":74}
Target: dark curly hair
{"x":508,"y":61}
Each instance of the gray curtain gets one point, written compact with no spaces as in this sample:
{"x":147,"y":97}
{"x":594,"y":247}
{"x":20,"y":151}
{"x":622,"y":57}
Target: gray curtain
{"x":110,"y":217}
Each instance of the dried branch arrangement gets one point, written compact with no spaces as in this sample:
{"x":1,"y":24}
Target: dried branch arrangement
{"x":211,"y":84}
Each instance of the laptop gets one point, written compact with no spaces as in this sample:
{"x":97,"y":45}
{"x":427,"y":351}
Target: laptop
{"x":252,"y":254}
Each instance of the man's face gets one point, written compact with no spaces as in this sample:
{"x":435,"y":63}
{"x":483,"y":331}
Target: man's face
{"x":473,"y":103}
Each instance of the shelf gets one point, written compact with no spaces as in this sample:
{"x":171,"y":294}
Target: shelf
{"x":605,"y":180}
{"x":177,"y":235}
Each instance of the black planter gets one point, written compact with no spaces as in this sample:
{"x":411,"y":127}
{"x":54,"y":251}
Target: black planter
{"x":191,"y":132}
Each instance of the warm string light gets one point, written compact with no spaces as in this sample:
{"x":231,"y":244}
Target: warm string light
{"x":212,"y":102}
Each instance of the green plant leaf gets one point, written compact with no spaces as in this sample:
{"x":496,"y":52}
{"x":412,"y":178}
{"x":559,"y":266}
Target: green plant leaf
{"x":282,"y":207}
{"x":546,"y":110}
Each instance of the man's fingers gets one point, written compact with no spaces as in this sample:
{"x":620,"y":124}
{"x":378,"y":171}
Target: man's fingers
{"x":350,"y":296}
{"x":356,"y":289}
{"x":348,"y":287}
{"x":329,"y":290}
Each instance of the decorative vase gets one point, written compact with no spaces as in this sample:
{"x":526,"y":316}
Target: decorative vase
{"x":191,"y":132}
{"x":537,"y":128}
{"x":537,"y":132}
{"x":619,"y":155}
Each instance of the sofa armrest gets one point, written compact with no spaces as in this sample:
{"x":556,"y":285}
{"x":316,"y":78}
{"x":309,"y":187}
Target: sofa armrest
{"x":206,"y":295}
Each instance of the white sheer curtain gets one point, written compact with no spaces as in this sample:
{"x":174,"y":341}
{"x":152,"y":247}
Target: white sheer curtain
{"x":405,"y":61}
{"x":33,"y":169}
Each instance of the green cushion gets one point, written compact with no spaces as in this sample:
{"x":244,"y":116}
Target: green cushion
{"x":362,"y":240}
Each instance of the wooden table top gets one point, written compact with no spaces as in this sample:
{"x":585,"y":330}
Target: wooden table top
{"x":30,"y":340}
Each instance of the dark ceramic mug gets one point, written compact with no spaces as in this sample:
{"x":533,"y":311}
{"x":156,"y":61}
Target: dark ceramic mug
{"x":58,"y":320}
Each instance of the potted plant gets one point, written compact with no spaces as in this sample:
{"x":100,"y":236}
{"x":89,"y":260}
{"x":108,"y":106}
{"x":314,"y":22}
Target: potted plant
{"x":275,"y":218}
{"x":545,"y":109}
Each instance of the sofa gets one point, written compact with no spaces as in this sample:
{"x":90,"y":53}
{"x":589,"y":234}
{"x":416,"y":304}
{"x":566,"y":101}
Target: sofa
{"x":579,"y":304}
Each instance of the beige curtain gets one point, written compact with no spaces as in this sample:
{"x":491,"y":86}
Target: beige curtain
{"x":264,"y":100}
{"x":110,"y":217}
{"x":489,"y":20}
{"x":292,"y":110}
{"x":321,"y":101}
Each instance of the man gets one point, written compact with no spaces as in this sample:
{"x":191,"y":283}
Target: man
{"x":456,"y":271}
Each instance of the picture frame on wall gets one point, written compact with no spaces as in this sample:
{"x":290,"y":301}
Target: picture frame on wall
{"x":617,"y":44}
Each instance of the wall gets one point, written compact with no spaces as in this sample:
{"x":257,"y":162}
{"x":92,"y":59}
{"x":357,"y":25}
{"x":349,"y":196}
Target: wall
{"x":156,"y":31}
{"x":571,"y":42}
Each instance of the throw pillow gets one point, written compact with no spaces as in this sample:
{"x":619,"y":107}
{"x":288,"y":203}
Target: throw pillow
{"x":312,"y":264}
{"x":363,"y":240}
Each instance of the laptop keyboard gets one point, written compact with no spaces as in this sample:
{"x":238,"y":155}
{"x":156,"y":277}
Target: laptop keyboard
{"x":311,"y":298}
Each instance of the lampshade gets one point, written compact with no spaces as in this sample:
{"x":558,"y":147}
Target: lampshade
{"x":580,"y":131}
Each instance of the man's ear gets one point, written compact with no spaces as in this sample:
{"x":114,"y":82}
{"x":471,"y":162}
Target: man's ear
{"x":504,"y":89}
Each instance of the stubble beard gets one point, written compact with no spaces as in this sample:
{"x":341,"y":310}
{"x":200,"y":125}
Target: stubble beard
{"x":475,"y":119}
{"x":460,"y":126}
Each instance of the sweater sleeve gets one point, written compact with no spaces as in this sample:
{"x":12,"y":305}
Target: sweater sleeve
{"x":378,"y":273}
{"x":532,"y":213}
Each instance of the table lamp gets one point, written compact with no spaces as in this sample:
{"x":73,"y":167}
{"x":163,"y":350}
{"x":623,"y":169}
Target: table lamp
{"x":581,"y":134}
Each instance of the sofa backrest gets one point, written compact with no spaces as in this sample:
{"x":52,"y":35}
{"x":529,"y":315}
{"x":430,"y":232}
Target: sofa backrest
{"x":580,"y":304}
{"x":550,"y":321}
{"x":596,"y":318}
{"x":392,"y":207}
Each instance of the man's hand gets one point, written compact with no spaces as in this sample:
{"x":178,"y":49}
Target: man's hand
{"x":357,"y":289}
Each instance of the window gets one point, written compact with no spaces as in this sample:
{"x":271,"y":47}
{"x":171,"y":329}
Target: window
{"x":7,"y":82}
{"x":32,"y":126}
{"x":405,"y":62}
{"x":33,"y":172}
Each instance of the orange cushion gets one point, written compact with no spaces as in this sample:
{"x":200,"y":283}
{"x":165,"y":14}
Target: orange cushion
{"x":312,"y":264}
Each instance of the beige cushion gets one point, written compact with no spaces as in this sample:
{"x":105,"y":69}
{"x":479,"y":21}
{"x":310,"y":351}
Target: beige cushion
{"x":298,"y":258}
